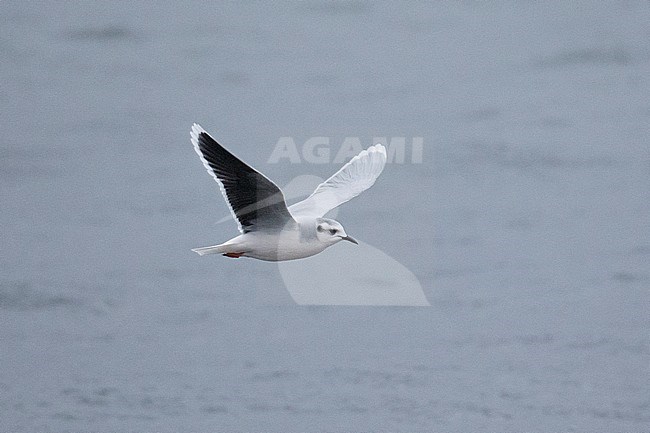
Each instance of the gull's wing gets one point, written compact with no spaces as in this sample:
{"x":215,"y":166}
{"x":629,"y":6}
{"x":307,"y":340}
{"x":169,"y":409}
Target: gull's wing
{"x":351,"y":180}
{"x":254,"y":201}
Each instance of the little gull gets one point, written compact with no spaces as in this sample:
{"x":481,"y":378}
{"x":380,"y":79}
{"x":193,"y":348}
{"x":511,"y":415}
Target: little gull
{"x":269,"y":229}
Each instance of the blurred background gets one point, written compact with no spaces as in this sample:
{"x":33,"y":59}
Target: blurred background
{"x":527,"y":222}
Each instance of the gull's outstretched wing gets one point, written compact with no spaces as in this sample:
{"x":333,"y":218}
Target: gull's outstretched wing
{"x":351,"y":180}
{"x":254,"y":201}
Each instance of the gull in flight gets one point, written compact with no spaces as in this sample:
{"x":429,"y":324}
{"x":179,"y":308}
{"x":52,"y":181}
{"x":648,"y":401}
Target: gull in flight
{"x":269,"y":229}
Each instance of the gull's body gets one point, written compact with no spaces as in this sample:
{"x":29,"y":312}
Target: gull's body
{"x":296,"y":241}
{"x":269,"y":229}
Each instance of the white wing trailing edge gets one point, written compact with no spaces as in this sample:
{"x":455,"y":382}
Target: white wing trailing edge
{"x":351,"y":180}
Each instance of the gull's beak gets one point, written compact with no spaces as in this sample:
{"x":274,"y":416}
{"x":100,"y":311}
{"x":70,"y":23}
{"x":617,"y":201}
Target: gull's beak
{"x":351,"y":239}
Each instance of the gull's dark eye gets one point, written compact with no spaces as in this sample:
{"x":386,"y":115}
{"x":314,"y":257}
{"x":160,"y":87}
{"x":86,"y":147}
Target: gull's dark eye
{"x":320,"y":228}
{"x":332,"y":231}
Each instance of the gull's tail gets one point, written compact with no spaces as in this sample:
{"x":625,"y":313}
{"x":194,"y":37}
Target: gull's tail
{"x":215,"y":249}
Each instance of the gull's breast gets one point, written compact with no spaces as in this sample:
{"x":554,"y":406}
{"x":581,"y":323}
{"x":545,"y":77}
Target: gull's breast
{"x":286,"y":245}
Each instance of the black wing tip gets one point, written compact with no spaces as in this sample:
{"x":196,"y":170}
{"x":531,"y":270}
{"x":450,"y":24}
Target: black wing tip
{"x":205,"y":145}
{"x":196,"y":131}
{"x":200,"y":135}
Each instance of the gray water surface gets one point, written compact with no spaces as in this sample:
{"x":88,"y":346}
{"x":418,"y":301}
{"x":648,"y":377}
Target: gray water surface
{"x":527,"y":222}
